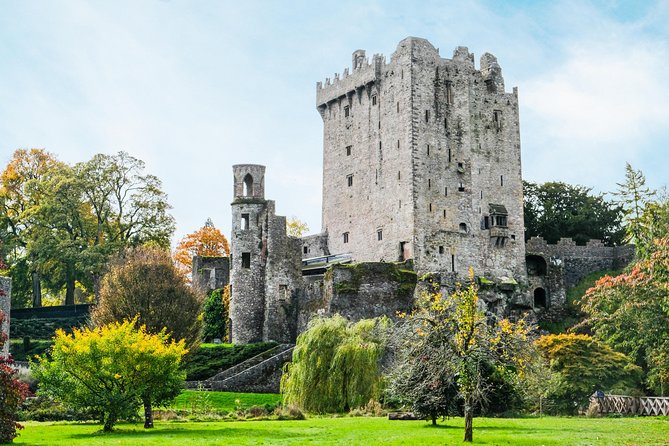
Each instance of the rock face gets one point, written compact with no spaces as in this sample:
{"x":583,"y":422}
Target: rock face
{"x":421,"y":160}
{"x":5,"y":305}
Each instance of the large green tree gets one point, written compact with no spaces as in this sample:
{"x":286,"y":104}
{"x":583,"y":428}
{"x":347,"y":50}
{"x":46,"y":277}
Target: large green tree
{"x":554,"y":210}
{"x":335,"y":365}
{"x":633,"y":195}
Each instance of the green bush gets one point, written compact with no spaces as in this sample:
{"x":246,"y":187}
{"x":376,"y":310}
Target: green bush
{"x":210,"y":359}
{"x":17,"y":347}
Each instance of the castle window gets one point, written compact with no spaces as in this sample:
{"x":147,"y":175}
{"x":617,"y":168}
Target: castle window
{"x":441,"y":250}
{"x":461,"y":188}
{"x":306,"y":250}
{"x":500,"y":220}
{"x":283,"y":292}
{"x":445,"y":192}
{"x":374,"y":100}
{"x":430,"y":207}
{"x":345,"y":237}
{"x":398,"y":107}
{"x":427,"y":115}
{"x":449,"y":92}
{"x":463,"y":228}
{"x":398,"y":143}
{"x":349,"y":180}
{"x":247,"y":187}
{"x":428,"y":150}
{"x":501,"y":180}
{"x":446,"y":122}
{"x":348,"y":150}
{"x":379,"y":124}
{"x":246,"y":260}
{"x":453,"y":262}
{"x":245,"y":221}
{"x":399,"y":175}
{"x":540,"y":298}
{"x":347,"y":111}
{"x":481,"y":195}
{"x":497,"y":120}
{"x":449,"y":155}
{"x":486,"y":222}
{"x":379,"y":234}
{"x":429,"y":183}
{"x":444,"y":213}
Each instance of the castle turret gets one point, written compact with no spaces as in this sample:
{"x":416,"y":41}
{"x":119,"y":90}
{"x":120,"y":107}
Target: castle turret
{"x":249,"y":250}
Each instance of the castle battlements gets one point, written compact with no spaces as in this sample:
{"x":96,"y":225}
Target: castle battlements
{"x":362,"y":74}
{"x":566,"y":247}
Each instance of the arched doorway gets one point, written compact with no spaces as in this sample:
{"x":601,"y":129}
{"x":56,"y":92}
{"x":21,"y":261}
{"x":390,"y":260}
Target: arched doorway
{"x":540,"y":298}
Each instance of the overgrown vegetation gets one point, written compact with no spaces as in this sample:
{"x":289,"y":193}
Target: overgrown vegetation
{"x":12,"y":392}
{"x":216,"y":313}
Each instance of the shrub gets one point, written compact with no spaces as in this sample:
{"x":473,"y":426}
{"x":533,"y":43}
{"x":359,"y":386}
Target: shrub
{"x":12,"y":394}
{"x":216,"y":308}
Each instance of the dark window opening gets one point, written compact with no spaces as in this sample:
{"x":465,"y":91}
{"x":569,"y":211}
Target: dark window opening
{"x":429,"y":183}
{"x":374,"y":100}
{"x":246,"y":260}
{"x":348,"y":150}
{"x":403,"y":253}
{"x":461,"y":188}
{"x":245,"y":221}
{"x":540,"y":298}
{"x":248,"y":185}
{"x":501,"y":180}
{"x":446,"y":122}
{"x":463,"y":228}
{"x":445,"y":192}
{"x":349,"y":180}
{"x":453,"y":262}
{"x":481,"y":195}
{"x":441,"y":250}
{"x":345,"y":237}
{"x":536,"y":265}
{"x":306,"y":250}
{"x":347,"y":111}
{"x":427,"y":115}
{"x":449,"y":155}
{"x":497,"y":120}
{"x":428,"y":150}
{"x":399,"y":175}
{"x":398,"y":143}
{"x":486,"y":222}
{"x":500,"y":220}
{"x":379,"y":234}
{"x":444,"y":213}
{"x":430,"y":207}
{"x":398,"y":107}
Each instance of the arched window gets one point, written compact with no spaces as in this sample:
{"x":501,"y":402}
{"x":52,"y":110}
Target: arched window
{"x":536,"y":265}
{"x":463,"y":228}
{"x":248,"y":185}
{"x":539,"y":298}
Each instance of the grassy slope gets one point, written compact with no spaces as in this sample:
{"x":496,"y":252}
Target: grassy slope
{"x":361,"y":431}
{"x":223,"y":401}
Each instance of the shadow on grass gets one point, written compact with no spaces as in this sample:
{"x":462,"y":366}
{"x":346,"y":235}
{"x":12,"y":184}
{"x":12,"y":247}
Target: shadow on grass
{"x":176,"y":432}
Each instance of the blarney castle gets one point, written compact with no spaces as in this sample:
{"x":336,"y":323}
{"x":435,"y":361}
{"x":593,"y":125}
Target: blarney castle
{"x":421,"y":183}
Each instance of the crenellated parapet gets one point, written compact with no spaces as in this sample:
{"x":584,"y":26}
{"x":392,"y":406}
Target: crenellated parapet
{"x":567,"y":247}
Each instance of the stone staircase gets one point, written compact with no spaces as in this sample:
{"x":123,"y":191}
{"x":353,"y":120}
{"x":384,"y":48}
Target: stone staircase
{"x":259,"y":374}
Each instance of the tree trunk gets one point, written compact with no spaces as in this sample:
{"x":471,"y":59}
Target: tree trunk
{"x":469,"y":428}
{"x":37,"y":290}
{"x":110,"y":421}
{"x":69,"y":285}
{"x":148,"y":414}
{"x":434,"y":420}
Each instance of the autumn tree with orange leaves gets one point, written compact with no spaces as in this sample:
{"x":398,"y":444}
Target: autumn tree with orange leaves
{"x":207,"y":241}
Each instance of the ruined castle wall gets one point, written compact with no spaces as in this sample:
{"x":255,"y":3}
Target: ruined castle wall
{"x":5,"y":307}
{"x":315,"y":245}
{"x":210,"y":273}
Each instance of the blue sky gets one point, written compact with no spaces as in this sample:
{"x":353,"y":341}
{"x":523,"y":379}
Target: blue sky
{"x":193,"y":87}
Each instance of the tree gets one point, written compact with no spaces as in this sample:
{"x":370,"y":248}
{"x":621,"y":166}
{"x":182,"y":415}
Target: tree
{"x":630,"y":312}
{"x":634,"y":196}
{"x":20,"y":191}
{"x":207,"y":241}
{"x":113,"y":369}
{"x":216,"y":314}
{"x":556,"y":210}
{"x":585,"y":365}
{"x":144,"y":282}
{"x":12,"y":392}
{"x":295,"y":227}
{"x":452,"y":337}
{"x":335,"y":365}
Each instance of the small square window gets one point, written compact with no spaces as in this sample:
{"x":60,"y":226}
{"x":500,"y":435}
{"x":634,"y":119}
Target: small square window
{"x":379,"y":234}
{"x":345,"y":237}
{"x":441,"y":250}
{"x":349,"y":180}
{"x":348,"y":150}
{"x":246,"y":260}
{"x":347,"y":111}
{"x":461,"y":188}
{"x":245,"y":221}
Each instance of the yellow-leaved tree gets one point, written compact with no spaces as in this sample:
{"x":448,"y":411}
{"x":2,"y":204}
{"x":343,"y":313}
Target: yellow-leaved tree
{"x":207,"y":241}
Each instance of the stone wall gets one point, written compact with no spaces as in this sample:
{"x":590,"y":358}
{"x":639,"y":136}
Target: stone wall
{"x":315,"y":245}
{"x":210,"y":273}
{"x":417,"y":151}
{"x":5,"y":307}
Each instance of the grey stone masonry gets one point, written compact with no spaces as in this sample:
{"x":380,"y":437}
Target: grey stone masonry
{"x":265,"y":264}
{"x":5,"y":307}
{"x":210,"y":273}
{"x":422,"y":160}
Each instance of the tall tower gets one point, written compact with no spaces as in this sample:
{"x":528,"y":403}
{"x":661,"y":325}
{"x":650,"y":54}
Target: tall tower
{"x":247,"y":276}
{"x":421,"y":159}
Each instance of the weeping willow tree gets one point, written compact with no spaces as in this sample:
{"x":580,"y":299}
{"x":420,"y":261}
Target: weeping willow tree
{"x":335,"y":365}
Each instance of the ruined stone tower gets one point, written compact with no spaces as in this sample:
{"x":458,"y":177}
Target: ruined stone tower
{"x":421,"y":159}
{"x":265,"y":266}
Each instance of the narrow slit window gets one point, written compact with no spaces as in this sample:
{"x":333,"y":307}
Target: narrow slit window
{"x":398,"y":107}
{"x":445,"y":192}
{"x":349,"y":180}
{"x":347,"y":111}
{"x":430,"y":207}
{"x":398,"y":143}
{"x":449,"y":92}
{"x":399,"y":175}
{"x":345,"y":236}
{"x":429,"y":183}
{"x":497,"y":120}
{"x":449,"y":155}
{"x":501,"y":180}
{"x":428,"y":150}
{"x":348,"y":150}
{"x":246,"y":260}
{"x":427,"y":115}
{"x":305,"y":250}
{"x":374,"y":100}
{"x":379,"y":234}
{"x":444,"y":213}
{"x":453,"y":262}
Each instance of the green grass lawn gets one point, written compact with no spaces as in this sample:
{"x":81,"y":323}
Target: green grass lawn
{"x":223,"y":401}
{"x":360,"y":431}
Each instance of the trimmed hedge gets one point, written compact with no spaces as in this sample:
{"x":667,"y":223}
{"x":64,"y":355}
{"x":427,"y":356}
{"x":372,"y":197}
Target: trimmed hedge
{"x":210,"y":359}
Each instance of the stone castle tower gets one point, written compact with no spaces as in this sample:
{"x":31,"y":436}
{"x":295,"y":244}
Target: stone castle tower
{"x":421,"y":160}
{"x":265,"y":264}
